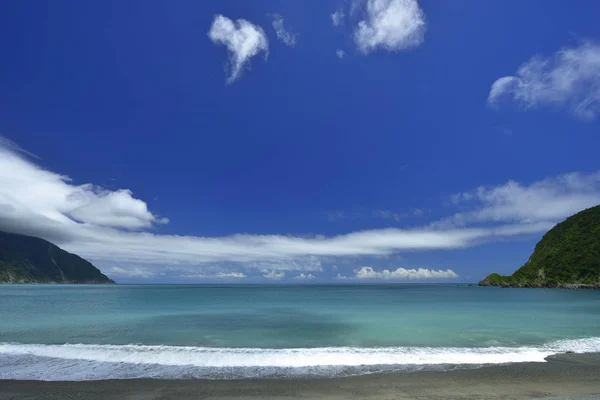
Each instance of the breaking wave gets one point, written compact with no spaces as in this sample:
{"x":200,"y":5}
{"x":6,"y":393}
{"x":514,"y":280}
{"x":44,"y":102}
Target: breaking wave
{"x":92,"y":362}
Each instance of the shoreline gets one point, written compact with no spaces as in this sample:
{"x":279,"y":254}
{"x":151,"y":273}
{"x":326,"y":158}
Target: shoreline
{"x":562,"y":376}
{"x":567,"y":286}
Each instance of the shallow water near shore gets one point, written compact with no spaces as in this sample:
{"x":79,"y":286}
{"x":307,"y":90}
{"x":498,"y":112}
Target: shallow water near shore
{"x":226,"y":332}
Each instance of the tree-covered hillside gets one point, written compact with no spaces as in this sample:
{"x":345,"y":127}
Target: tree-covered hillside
{"x":567,"y":256}
{"x":27,"y":259}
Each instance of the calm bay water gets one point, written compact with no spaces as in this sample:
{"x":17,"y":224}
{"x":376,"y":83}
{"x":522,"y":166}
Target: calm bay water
{"x":210,"y":331}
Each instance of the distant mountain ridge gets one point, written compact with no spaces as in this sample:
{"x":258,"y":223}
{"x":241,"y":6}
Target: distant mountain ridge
{"x":28,"y":259}
{"x":568,"y":256}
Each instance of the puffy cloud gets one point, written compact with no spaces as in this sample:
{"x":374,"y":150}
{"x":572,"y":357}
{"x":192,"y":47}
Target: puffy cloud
{"x":549,"y":200}
{"x":391,"y":25}
{"x":305,"y":277}
{"x":341,"y":277}
{"x":340,"y":53}
{"x":400,"y":274}
{"x":243,"y":40}
{"x":404,"y":274}
{"x":569,"y":79}
{"x":273,"y":275}
{"x":285,"y":36}
{"x":338,"y":17}
{"x":27,"y":189}
{"x":110,"y":208}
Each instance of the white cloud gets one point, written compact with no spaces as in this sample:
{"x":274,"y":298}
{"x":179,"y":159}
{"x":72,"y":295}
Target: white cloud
{"x":395,"y":216}
{"x":105,"y":208}
{"x":28,"y":189}
{"x":404,"y":274}
{"x":569,"y":79}
{"x":130,"y":272}
{"x":243,"y":40}
{"x":338,"y":17}
{"x":38,"y":202}
{"x":391,"y":25}
{"x":305,"y":277}
{"x":386,"y":214}
{"x":273,"y":275}
{"x":342,"y":277}
{"x":301,"y":263}
{"x":399,"y":274}
{"x":550,"y":200}
{"x":285,"y":36}
{"x":218,"y":275}
{"x":340,"y":53}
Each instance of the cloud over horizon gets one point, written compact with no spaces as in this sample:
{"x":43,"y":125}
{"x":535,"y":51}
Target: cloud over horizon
{"x":305,"y":277}
{"x":110,"y":227}
{"x":273,"y":275}
{"x":568,"y":79}
{"x":399,"y":274}
{"x":243,"y":40}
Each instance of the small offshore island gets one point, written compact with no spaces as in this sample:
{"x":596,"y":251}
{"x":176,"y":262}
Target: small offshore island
{"x":567,"y":257}
{"x":28,"y":259}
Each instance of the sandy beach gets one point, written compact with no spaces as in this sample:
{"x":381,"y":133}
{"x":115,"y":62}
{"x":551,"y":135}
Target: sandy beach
{"x":563,"y":376}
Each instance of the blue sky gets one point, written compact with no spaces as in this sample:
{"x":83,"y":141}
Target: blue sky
{"x":441,"y":138}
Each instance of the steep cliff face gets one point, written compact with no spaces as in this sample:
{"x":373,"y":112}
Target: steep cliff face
{"x":27,"y":259}
{"x":567,"y":256}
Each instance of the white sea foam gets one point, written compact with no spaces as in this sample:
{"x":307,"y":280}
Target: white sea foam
{"x":85,"y":361}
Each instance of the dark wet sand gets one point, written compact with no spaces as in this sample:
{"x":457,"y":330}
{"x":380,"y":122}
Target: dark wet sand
{"x":564,"y":376}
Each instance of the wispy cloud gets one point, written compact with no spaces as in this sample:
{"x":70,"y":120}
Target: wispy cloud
{"x":116,"y":235}
{"x":340,"y":53}
{"x":9,"y":145}
{"x":387,"y":214}
{"x":243,"y":39}
{"x":285,"y":36}
{"x":569,"y":79}
{"x":218,"y":275}
{"x":398,"y":216}
{"x":335,"y":215}
{"x":418,"y":212}
{"x":302,"y":263}
{"x":391,"y":25}
{"x":400,"y":274}
{"x":549,"y":200}
{"x":337,"y":18}
{"x":129,"y":272}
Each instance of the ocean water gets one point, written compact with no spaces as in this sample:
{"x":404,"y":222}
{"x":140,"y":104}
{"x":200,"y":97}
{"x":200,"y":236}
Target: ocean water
{"x":80,"y":332}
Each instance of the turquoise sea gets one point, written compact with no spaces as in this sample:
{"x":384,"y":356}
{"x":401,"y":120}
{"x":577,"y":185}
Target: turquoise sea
{"x":80,"y":332}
